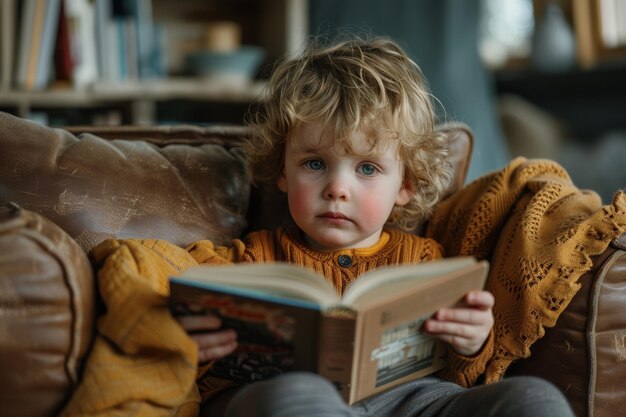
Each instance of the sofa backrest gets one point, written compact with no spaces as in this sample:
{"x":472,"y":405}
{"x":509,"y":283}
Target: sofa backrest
{"x":181,"y":183}
{"x":176,"y":184}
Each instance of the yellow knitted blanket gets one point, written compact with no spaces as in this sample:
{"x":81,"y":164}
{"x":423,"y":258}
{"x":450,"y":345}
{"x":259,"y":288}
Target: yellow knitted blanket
{"x":538,"y":231}
{"x":142,"y":363}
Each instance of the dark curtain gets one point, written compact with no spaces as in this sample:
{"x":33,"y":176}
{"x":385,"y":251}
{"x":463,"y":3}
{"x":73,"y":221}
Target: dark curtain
{"x":441,"y":36}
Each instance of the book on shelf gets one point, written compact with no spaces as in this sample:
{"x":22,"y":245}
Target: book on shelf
{"x":145,"y":38}
{"x":102,"y":16}
{"x":63,"y":64}
{"x":45,"y":62}
{"x":8,"y":15}
{"x":38,"y":32}
{"x":289,"y":318}
{"x":126,"y":40}
{"x":24,"y":41}
{"x":81,"y":19}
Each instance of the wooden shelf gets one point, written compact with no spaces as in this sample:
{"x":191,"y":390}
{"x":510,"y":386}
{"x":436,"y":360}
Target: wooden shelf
{"x":155,"y":90}
{"x":142,"y":97}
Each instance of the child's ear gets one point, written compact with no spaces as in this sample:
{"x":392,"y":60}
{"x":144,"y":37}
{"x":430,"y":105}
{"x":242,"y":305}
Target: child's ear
{"x":281,"y":181}
{"x":405,"y":193}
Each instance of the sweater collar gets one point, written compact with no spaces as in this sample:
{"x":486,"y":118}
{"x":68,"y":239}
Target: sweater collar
{"x":292,"y":238}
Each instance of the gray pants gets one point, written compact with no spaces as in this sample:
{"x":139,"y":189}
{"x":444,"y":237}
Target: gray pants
{"x":308,"y":395}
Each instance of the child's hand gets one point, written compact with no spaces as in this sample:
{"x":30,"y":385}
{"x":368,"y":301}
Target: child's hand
{"x":212,"y":342}
{"x":464,"y":327}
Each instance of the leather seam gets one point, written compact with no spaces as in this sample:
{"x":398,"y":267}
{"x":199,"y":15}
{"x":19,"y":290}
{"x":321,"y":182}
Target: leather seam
{"x":591,"y":328}
{"x":70,"y":278}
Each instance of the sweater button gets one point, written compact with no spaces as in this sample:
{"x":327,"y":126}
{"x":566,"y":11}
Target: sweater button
{"x":345,"y":261}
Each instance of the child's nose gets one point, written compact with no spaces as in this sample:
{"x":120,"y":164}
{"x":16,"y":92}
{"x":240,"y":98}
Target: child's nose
{"x":337,"y":188}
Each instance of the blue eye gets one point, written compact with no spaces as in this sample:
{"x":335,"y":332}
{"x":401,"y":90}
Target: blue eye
{"x":367,"y":169}
{"x":314,"y":164}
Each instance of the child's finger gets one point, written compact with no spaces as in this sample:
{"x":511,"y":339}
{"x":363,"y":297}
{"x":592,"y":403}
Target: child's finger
{"x":216,"y":352}
{"x":199,"y":322}
{"x":461,"y":345}
{"x":471,"y":316}
{"x":215,"y":345}
{"x":464,"y":339}
{"x":481,"y":299}
{"x":214,"y":339}
{"x":449,"y":328}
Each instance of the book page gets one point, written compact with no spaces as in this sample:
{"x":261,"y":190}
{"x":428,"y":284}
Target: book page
{"x":274,"y":279}
{"x":389,"y":280}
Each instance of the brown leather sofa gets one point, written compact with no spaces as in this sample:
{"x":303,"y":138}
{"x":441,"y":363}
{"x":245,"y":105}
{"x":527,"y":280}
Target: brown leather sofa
{"x":63,"y":192}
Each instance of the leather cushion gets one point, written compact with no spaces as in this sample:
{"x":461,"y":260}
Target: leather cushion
{"x":584,"y":354}
{"x":607,"y":336}
{"x":46,"y":313}
{"x":176,"y":184}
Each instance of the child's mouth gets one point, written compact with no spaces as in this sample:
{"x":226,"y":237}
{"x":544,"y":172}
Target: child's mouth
{"x":334,"y":217}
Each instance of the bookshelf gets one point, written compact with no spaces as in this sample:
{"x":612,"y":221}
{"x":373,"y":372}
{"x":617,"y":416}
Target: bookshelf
{"x":176,"y":94}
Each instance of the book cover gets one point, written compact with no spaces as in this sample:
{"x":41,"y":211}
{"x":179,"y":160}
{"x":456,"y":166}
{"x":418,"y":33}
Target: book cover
{"x":274,"y":335}
{"x":290,"y":319}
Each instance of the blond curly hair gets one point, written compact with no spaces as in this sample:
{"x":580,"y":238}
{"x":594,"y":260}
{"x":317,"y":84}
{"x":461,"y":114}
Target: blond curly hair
{"x":355,"y":85}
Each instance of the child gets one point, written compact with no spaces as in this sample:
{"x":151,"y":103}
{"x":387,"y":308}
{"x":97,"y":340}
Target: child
{"x":347,"y":133}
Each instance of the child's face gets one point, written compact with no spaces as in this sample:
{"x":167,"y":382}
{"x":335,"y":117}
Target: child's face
{"x":339,"y":199}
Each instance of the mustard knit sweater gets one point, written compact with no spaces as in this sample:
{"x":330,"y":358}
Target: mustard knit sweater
{"x":286,"y":245}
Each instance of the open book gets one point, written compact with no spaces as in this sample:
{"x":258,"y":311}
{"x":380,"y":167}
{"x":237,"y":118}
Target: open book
{"x":288,"y":318}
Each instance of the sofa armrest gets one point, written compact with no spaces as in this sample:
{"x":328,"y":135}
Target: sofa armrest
{"x":47,"y":315}
{"x":585,"y":353}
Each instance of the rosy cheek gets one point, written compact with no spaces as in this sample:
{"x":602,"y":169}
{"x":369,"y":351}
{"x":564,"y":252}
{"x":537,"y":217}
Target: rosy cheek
{"x":371,"y":209}
{"x":299,"y":203}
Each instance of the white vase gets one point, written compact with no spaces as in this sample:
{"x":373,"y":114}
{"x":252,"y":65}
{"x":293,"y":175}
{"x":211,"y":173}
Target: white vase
{"x":554,"y":44}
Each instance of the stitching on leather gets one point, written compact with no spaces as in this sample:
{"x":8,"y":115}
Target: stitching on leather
{"x":70,"y":278}
{"x":591,"y":329}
